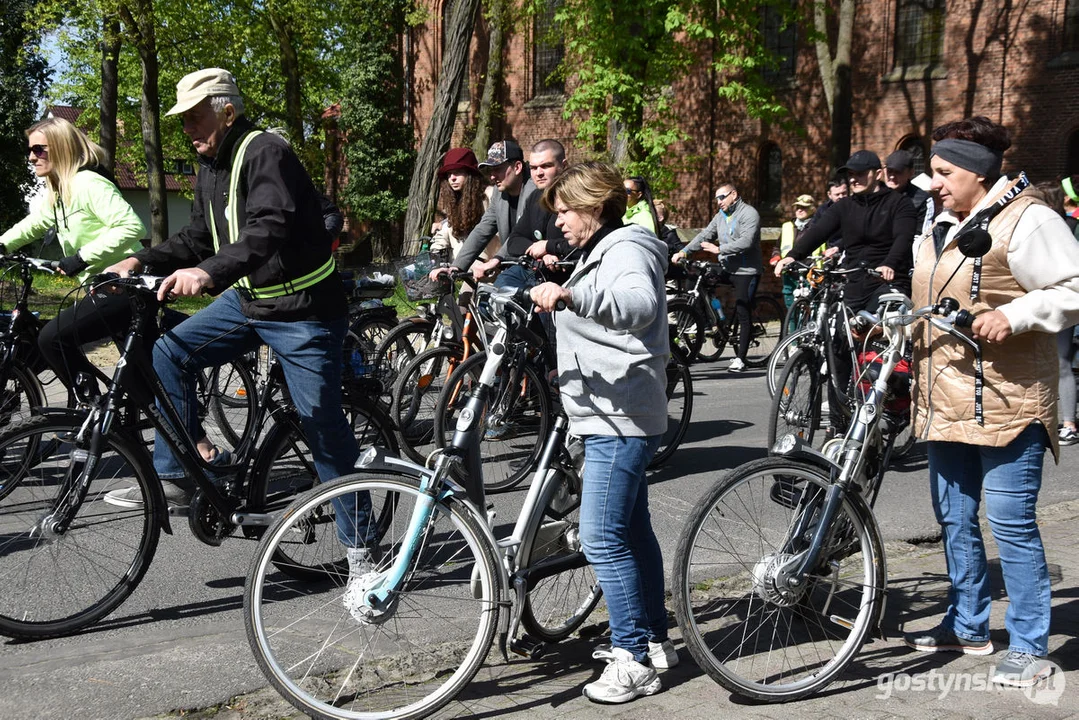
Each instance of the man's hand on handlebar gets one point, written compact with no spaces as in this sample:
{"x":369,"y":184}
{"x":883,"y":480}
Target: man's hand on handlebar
{"x":124,"y":268}
{"x":537,"y":249}
{"x":887,"y":274}
{"x":781,"y":264}
{"x":186,"y":282}
{"x":547,"y":296}
{"x":486,"y":270}
{"x":991,"y":326}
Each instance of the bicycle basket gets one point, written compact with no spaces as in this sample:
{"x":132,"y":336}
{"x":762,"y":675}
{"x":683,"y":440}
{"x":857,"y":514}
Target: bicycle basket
{"x":413,"y":274}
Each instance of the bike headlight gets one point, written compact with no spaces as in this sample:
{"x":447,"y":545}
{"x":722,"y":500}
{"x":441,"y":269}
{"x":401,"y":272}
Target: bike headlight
{"x":785,"y":444}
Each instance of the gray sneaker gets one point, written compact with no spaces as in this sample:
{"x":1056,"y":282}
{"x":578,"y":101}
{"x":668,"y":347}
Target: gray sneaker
{"x":940,"y":639}
{"x":623,"y":679}
{"x":1020,"y":669}
{"x":662,"y":655}
{"x":131,"y":497}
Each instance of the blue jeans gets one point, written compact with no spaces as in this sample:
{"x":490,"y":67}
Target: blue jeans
{"x":1011,"y":477}
{"x":310,"y":355}
{"x":515,"y":277}
{"x":616,"y":533}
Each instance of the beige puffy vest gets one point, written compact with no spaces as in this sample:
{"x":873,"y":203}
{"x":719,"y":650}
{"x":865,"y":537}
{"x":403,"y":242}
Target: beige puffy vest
{"x":1020,"y":374}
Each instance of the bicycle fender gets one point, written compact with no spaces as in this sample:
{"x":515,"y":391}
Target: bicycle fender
{"x":379,"y":459}
{"x":800,"y":450}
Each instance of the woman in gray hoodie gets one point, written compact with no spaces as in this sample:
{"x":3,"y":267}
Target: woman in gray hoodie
{"x":612,"y":356}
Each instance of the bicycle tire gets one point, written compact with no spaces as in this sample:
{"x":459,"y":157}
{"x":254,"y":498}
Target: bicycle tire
{"x":767,"y":317}
{"x":689,"y":327}
{"x":514,"y":424}
{"x":747,"y":634}
{"x":796,"y":406}
{"x":679,"y":407}
{"x":56,"y":584}
{"x":22,"y":393}
{"x":405,"y":664}
{"x":404,"y":342}
{"x":359,"y":369}
{"x":415,"y":399}
{"x":556,"y":605}
{"x":284,"y":468}
{"x":229,"y":393}
{"x":784,"y":352}
{"x":797,"y":317}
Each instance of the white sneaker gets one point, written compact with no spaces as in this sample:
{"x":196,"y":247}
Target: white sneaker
{"x":737,"y":365}
{"x":361,"y":572}
{"x":623,"y":679}
{"x":661,"y":655}
{"x":131,"y":497}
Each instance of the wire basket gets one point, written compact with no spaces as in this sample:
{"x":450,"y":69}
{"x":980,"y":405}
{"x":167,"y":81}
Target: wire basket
{"x":413,"y":273}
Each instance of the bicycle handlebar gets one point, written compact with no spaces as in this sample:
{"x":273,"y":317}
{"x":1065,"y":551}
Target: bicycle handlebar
{"x":141,"y":282}
{"x":49,"y":266}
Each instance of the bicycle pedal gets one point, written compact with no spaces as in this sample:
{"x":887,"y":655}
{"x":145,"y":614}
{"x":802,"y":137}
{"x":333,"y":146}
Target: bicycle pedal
{"x":528,"y":647}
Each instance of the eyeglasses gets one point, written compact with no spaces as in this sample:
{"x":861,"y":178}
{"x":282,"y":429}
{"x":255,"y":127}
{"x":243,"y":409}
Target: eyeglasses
{"x":39,"y":151}
{"x":631,"y":191}
{"x":722,"y":197}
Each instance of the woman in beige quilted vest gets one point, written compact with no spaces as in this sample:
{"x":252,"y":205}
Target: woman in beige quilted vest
{"x":989,"y":429}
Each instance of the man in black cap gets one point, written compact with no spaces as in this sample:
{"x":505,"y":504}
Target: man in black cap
{"x":898,"y":173}
{"x":878,"y":226}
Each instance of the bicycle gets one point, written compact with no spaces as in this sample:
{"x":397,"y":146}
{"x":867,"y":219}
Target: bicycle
{"x":780,"y":573}
{"x":703,"y":332}
{"x":418,"y":627}
{"x":57,"y":528}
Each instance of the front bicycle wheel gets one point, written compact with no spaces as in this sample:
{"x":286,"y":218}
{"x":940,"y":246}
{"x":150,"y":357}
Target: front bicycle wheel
{"x":21,"y":395}
{"x":767,"y":317}
{"x":796,"y":406}
{"x":750,"y":630}
{"x":404,"y":661}
{"x":798,"y":316}
{"x":515,"y":421}
{"x":564,"y":590}
{"x":679,"y":407}
{"x":285,"y":468}
{"x":415,"y":397}
{"x":784,"y":352}
{"x":688,"y":327}
{"x":56,"y":581}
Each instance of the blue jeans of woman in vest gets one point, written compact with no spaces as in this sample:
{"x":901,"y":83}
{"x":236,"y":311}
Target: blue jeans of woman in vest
{"x":310,"y":355}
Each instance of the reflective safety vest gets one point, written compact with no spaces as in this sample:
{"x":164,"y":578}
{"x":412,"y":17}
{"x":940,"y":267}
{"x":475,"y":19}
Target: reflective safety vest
{"x":289,"y":287}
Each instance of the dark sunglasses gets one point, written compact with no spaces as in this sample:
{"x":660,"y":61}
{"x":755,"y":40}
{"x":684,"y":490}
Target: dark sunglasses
{"x":631,"y":191}
{"x":721,"y":198}
{"x":39,"y":150}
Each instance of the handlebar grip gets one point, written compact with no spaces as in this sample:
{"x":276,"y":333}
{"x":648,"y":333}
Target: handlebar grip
{"x":964,"y":319}
{"x":560,"y":305}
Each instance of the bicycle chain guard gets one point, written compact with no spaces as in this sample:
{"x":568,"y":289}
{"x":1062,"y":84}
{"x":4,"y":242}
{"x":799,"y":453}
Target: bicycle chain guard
{"x":205,"y":522}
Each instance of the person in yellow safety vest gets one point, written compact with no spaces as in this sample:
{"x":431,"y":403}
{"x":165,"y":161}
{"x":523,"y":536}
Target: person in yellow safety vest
{"x":256,"y":241}
{"x":804,"y":206}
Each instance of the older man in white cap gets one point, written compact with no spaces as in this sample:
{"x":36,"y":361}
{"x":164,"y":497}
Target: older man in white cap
{"x":256,"y":240}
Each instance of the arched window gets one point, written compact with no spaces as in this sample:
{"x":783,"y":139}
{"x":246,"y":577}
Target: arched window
{"x":464,"y":94}
{"x":548,"y":49}
{"x":916,"y":147}
{"x":770,"y":177}
{"x":919,"y":32}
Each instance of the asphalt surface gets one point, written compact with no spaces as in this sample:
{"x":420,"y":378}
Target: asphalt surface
{"x":178,"y":643}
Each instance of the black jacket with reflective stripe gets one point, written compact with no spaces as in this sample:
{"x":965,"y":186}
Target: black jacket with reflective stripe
{"x":281,"y":235}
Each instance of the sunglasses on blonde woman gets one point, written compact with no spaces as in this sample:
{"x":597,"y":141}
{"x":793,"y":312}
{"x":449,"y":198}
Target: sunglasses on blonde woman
{"x":39,"y":150}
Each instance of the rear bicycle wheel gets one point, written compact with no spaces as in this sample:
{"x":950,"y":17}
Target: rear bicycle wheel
{"x":401,"y":344}
{"x":566,"y":591}
{"x":798,"y":316}
{"x":688,"y":327}
{"x":55,"y":582}
{"x":406,"y":660}
{"x":752,"y":632}
{"x":415,"y":397}
{"x":229,"y":394}
{"x":359,"y":367}
{"x":514,"y":424}
{"x":285,"y":468}
{"x":767,"y":319}
{"x":679,"y":407}
{"x":796,"y":406}
{"x":784,"y":352}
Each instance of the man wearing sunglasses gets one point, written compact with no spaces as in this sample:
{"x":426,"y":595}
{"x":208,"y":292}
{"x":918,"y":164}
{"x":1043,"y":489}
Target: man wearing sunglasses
{"x":735,"y":235}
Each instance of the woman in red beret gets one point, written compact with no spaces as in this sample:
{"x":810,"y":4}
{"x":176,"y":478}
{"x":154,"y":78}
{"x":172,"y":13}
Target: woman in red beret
{"x":462,"y":199}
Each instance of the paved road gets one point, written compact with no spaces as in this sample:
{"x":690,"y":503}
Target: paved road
{"x":178,"y":642}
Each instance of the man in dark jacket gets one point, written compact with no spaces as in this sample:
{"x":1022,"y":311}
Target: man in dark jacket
{"x":898,"y":173}
{"x":878,"y":226}
{"x":256,"y":240}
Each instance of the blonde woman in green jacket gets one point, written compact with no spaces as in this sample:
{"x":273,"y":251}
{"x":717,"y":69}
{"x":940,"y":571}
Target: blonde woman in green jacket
{"x":95,"y":227}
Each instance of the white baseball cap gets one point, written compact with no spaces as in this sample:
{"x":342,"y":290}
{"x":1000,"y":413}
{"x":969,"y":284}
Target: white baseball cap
{"x":194,"y":87}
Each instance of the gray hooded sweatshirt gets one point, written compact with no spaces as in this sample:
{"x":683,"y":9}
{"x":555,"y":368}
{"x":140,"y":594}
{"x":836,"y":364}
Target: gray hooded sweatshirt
{"x":613,"y":343}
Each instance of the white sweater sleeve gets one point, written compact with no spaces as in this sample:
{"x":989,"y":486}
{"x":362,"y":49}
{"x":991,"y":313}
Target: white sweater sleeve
{"x":1044,"y":259}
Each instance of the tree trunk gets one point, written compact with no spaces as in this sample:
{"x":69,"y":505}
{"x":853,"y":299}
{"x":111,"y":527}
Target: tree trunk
{"x":423,"y":190}
{"x":290,"y":68}
{"x":835,"y":72}
{"x":110,"y":79}
{"x":138,"y":15}
{"x":492,"y":82}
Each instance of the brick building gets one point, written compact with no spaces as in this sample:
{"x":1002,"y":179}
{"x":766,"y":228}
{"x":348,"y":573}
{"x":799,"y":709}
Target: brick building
{"x":916,"y":64}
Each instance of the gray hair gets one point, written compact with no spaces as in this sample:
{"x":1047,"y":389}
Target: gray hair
{"x":218,"y":103}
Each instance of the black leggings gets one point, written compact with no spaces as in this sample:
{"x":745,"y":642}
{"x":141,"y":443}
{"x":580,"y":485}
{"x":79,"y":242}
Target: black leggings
{"x":93,"y":318}
{"x":745,"y":288}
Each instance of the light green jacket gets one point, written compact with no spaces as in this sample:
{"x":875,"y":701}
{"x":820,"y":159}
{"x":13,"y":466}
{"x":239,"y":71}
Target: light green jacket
{"x":95,"y":221}
{"x":639,"y":214}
